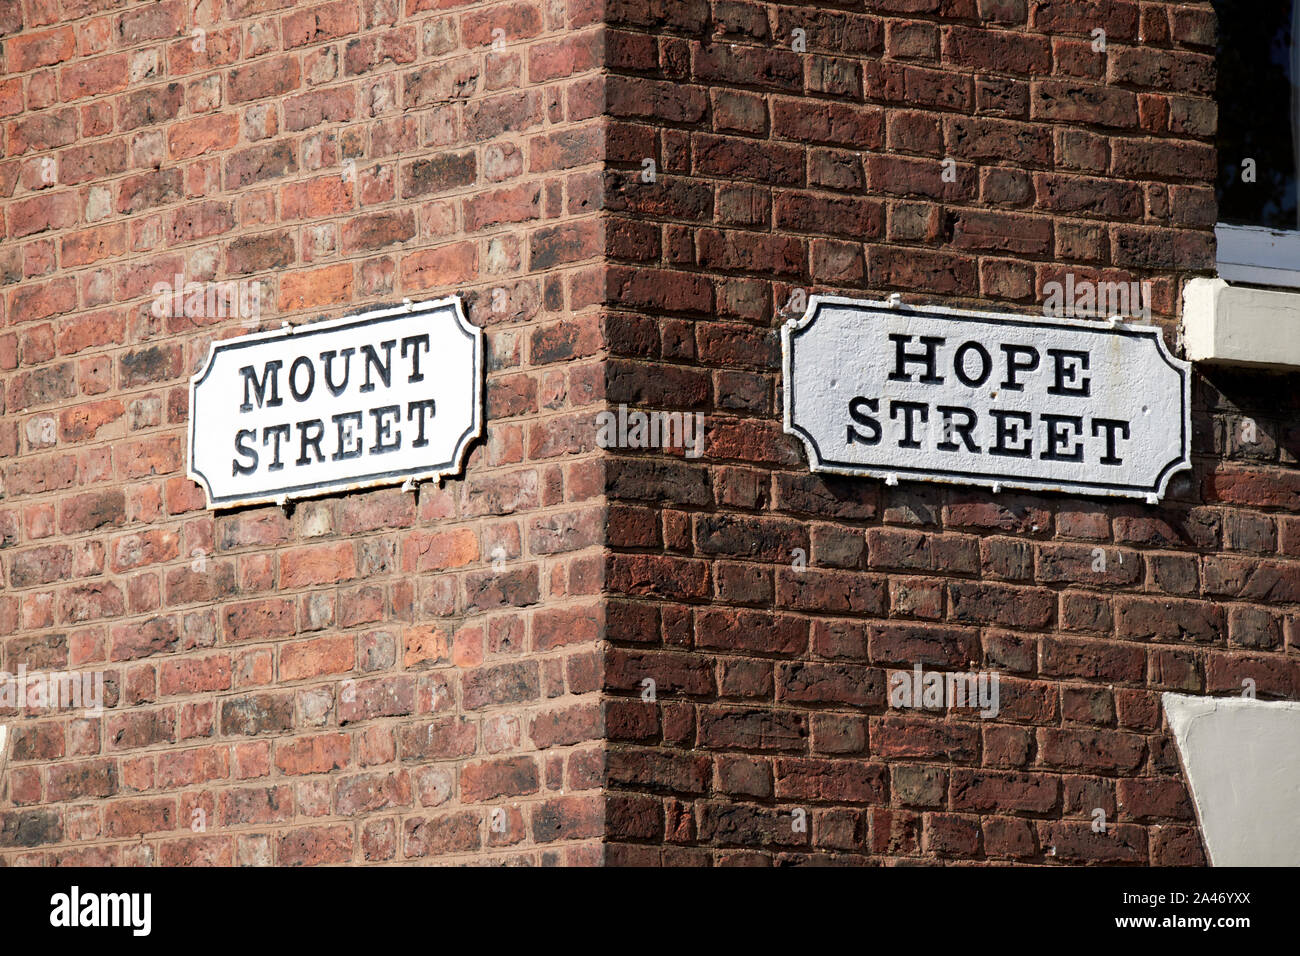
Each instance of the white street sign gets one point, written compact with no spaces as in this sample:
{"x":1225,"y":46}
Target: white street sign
{"x":370,"y":399}
{"x":983,"y":398}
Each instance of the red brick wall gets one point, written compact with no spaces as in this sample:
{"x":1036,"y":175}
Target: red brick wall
{"x":302,"y":677}
{"x":821,"y":171}
{"x":355,"y":681}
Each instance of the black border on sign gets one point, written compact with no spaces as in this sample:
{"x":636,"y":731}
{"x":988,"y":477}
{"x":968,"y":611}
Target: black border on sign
{"x":373,"y":479}
{"x":817,"y":463}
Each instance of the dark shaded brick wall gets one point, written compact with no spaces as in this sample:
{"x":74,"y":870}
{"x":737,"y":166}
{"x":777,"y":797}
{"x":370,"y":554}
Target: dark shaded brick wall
{"x":822,"y":170}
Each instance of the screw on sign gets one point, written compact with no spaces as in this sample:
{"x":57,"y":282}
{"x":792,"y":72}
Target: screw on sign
{"x":389,"y":395}
{"x":991,"y":399}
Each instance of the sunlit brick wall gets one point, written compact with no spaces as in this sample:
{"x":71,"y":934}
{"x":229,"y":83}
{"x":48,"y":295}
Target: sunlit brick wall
{"x":378,"y":676}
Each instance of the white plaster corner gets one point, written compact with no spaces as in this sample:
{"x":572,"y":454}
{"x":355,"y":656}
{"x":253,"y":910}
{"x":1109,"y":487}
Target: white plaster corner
{"x":1241,"y":759}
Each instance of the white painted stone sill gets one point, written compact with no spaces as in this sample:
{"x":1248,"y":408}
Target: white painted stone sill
{"x":1241,"y":325}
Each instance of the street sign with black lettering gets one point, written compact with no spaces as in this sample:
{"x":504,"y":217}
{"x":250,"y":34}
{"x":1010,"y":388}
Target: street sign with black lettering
{"x":981,"y":398}
{"x":370,"y":399}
